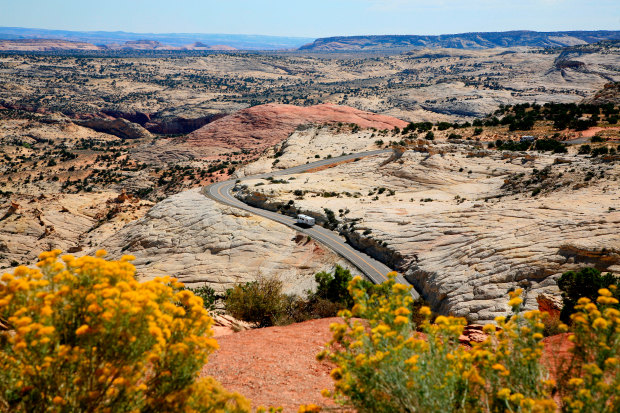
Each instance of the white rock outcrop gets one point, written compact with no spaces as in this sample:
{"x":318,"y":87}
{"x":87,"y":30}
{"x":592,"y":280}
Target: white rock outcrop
{"x":199,"y":241}
{"x":465,"y":225}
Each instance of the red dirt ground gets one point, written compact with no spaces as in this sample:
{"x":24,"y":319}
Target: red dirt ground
{"x":277,"y":366}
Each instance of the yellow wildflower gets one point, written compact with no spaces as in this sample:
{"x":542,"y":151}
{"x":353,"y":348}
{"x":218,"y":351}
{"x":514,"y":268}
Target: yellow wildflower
{"x":401,"y":320}
{"x":575,"y":382}
{"x":503,"y":393}
{"x":515,"y":302}
{"x":425,"y":311}
{"x":402,"y":311}
{"x":600,"y":323}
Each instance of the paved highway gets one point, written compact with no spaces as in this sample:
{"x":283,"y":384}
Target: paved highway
{"x":373,"y":269}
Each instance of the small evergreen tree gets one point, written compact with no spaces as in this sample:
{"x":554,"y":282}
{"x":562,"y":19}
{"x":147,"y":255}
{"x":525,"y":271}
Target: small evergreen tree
{"x":583,"y":283}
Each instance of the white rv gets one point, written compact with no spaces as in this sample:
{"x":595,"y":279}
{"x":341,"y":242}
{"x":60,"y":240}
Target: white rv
{"x":305,"y":220}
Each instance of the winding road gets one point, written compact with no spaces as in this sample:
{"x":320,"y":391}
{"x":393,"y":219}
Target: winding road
{"x":373,"y":269}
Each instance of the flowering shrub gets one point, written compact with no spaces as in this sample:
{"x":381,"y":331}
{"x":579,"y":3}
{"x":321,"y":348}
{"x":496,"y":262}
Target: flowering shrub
{"x":84,"y":335}
{"x":383,"y":365}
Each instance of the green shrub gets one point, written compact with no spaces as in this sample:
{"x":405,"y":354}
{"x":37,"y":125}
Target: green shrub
{"x":583,"y":283}
{"x":260,"y":302}
{"x":334,"y":287}
{"x":263,"y":303}
{"x":585,"y":149}
{"x":208,"y":295}
{"x":602,"y":150}
{"x":513,"y":146}
{"x":550,"y":145}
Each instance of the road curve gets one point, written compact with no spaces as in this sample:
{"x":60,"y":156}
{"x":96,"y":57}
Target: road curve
{"x":373,"y":269}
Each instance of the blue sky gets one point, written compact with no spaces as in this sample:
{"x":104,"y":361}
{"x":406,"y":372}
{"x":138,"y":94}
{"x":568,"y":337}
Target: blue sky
{"x":316,"y":18}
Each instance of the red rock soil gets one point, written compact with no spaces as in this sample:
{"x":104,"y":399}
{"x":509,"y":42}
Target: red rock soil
{"x":277,"y":366}
{"x":594,"y":130}
{"x":262,"y":126}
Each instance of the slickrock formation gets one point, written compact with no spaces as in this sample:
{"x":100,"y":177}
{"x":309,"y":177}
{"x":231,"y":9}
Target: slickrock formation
{"x":199,"y":241}
{"x":257,"y":128}
{"x":305,"y":144}
{"x":264,"y":125}
{"x":118,"y":127}
{"x":260,"y":127}
{"x":609,"y":94}
{"x":70,"y":222}
{"x":465,"y":225}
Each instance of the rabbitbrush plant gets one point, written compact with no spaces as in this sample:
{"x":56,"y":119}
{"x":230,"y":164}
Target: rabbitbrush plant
{"x":383,"y":365}
{"x":84,"y":335}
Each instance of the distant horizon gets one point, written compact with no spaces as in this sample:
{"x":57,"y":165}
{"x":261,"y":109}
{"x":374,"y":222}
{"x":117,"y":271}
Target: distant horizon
{"x":157,"y":33}
{"x":298,"y":37}
{"x":319,"y":19}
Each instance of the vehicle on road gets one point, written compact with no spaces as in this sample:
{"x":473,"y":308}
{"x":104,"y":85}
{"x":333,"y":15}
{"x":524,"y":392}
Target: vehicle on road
{"x":305,"y":220}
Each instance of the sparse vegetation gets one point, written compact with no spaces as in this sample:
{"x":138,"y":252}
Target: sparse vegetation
{"x":263,"y":303}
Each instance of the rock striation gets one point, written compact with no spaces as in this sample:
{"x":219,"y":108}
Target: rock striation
{"x":201,"y":242}
{"x":453,"y":221}
{"x":118,"y":127}
{"x":255,"y":129}
{"x":262,"y":126}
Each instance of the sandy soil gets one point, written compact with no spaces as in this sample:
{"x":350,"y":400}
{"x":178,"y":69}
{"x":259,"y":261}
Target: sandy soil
{"x":275,"y":366}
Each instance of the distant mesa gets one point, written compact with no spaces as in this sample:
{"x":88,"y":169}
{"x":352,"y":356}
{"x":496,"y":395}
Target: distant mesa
{"x":143,"y":45}
{"x":44,"y":45}
{"x":202,"y":46}
{"x":483,"y":40}
{"x":167,"y":41}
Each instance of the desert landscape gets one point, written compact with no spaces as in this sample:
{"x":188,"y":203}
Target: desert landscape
{"x":473,"y":166}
